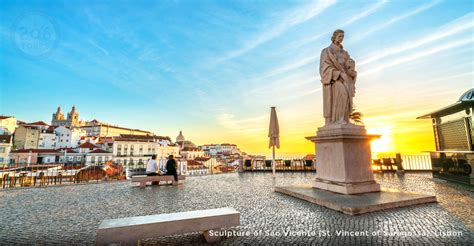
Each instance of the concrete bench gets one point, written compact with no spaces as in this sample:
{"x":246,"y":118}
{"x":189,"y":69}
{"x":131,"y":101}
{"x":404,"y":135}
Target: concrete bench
{"x":143,"y":179}
{"x":129,"y":231}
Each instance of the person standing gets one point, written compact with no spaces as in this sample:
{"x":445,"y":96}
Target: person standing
{"x":171,"y":167}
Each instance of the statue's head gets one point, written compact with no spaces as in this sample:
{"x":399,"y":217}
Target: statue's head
{"x":337,"y":36}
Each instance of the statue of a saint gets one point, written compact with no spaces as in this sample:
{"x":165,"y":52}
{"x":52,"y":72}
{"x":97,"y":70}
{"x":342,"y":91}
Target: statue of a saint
{"x":338,"y":77}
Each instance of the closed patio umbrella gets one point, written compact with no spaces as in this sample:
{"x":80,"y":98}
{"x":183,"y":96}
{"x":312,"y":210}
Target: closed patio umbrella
{"x":274,"y":135}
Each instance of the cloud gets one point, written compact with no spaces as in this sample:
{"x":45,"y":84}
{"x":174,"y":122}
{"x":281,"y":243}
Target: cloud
{"x":461,"y":24}
{"x":252,"y":124}
{"x":307,"y":60}
{"x":102,"y":49}
{"x":394,"y":20}
{"x":372,"y":9}
{"x":419,"y":55}
{"x":366,"y":13}
{"x":290,"y":66}
{"x":292,"y":19}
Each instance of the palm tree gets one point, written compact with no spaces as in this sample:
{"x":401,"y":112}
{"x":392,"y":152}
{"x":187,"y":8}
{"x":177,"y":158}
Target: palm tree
{"x":356,"y":117}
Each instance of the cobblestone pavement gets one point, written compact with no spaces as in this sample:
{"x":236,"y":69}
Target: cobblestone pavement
{"x":71,"y":214}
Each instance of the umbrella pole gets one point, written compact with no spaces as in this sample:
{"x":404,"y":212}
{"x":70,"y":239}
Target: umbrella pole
{"x":273,"y":161}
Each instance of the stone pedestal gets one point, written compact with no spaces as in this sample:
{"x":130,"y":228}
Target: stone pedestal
{"x":343,"y":159}
{"x":344,"y":179}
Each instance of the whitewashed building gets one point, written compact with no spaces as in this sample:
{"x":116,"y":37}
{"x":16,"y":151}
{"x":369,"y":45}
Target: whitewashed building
{"x":98,"y":157}
{"x":68,"y":137}
{"x":47,"y":139}
{"x":6,"y":143}
{"x":191,"y":153}
{"x":8,"y":125}
{"x":136,"y":150}
{"x":219,"y":149}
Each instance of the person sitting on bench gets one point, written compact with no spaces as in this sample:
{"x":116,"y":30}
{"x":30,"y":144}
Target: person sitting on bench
{"x":171,"y":167}
{"x":152,"y":167}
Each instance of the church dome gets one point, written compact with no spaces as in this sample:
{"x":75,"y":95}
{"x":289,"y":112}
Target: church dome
{"x":180,"y":137}
{"x":467,"y":96}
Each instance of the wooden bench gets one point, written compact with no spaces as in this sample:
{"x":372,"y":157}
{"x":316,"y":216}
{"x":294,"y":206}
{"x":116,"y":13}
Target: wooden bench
{"x":143,"y":179}
{"x":129,"y":231}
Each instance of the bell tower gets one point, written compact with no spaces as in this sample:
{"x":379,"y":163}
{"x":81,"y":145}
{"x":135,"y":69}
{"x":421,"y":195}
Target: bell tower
{"x":73,"y":117}
{"x":57,"y":117}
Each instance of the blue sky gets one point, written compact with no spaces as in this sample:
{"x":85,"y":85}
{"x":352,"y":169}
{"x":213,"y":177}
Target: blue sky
{"x":214,"y":68}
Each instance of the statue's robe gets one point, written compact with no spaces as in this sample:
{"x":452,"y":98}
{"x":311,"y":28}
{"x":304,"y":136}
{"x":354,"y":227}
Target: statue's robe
{"x":337,"y":94}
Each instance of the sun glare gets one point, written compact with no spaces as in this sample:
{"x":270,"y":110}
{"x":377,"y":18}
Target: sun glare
{"x":385,"y":142}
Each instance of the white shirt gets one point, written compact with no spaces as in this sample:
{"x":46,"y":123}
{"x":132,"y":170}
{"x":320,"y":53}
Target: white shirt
{"x":152,"y":166}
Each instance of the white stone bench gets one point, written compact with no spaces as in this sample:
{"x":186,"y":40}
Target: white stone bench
{"x":143,"y":179}
{"x":130,"y":230}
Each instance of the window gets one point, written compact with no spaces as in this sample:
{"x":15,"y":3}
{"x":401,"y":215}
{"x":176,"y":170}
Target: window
{"x":92,"y":159}
{"x":1,"y":160}
{"x":100,"y":159}
{"x":2,"y":149}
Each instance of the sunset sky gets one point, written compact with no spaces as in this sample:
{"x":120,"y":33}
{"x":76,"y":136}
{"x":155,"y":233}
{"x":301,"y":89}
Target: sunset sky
{"x":213,"y":69}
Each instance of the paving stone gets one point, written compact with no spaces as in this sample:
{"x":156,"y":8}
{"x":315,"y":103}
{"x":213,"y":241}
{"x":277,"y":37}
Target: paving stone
{"x":71,"y":214}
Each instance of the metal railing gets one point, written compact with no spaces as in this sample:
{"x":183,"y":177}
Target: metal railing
{"x":282,"y":164}
{"x":383,"y":162}
{"x":36,"y":175}
{"x":409,"y":162}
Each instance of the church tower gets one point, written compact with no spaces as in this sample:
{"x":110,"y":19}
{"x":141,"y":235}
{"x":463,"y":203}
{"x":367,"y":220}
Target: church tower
{"x":73,"y":117}
{"x":57,"y":117}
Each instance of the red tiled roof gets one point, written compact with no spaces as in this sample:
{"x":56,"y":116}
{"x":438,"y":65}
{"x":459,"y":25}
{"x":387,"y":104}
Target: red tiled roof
{"x":118,"y":127}
{"x":86,"y":137}
{"x":88,"y":145}
{"x":5,"y":138}
{"x":99,"y":151}
{"x":39,"y":151}
{"x":38,"y":123}
{"x":190,"y":149}
{"x":194,"y":163}
{"x":2,"y":117}
{"x":129,"y":137}
{"x":69,"y":150}
{"x":49,"y":129}
{"x":202,"y":158}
